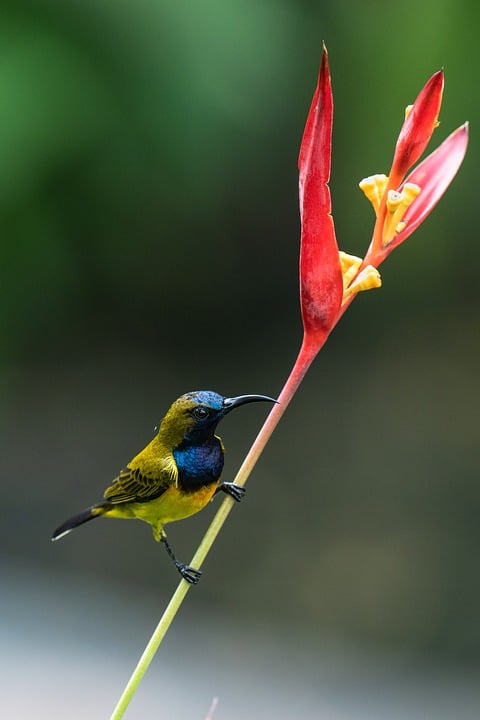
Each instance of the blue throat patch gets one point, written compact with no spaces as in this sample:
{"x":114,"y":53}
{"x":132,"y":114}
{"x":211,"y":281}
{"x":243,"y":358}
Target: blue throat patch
{"x":198,"y":465}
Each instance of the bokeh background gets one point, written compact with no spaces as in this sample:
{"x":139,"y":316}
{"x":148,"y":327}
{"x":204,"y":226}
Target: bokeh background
{"x":149,"y":223}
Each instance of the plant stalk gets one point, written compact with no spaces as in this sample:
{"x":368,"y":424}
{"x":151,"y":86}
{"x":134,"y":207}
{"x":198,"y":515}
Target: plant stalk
{"x":306,"y":355}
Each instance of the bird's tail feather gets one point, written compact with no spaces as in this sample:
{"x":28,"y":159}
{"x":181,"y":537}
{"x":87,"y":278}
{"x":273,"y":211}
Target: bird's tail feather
{"x":73,"y":522}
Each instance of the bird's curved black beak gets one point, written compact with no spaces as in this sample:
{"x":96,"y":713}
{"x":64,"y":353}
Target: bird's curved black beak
{"x":230,"y":403}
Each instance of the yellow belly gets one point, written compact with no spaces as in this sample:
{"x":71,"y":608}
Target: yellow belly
{"x":172,"y":505}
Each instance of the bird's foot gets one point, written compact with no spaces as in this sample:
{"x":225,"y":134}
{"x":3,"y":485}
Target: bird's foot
{"x":237,"y":492}
{"x":190,"y":574}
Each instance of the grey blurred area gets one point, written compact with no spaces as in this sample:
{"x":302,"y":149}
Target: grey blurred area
{"x":148,"y":206}
{"x":71,"y":653}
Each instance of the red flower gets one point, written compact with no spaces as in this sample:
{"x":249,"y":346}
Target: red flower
{"x":400,"y":203}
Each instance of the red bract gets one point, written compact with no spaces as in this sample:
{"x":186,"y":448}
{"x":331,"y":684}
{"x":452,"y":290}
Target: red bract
{"x":321,"y":286}
{"x":433,"y":176}
{"x":417,"y":129}
{"x":402,"y":204}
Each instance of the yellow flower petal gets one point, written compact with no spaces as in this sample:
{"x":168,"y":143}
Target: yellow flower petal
{"x":368,"y":279}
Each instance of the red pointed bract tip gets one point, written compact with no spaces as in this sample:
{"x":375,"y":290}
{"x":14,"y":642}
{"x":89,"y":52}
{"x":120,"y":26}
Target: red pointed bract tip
{"x":417,"y":129}
{"x":321,"y":285}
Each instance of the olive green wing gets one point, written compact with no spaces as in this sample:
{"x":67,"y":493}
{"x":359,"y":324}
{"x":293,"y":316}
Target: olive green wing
{"x":137,"y":483}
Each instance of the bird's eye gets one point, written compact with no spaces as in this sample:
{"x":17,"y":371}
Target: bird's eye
{"x":200,"y":412}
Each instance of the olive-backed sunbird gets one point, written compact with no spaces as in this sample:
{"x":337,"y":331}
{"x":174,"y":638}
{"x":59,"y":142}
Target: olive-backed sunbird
{"x":176,"y":474}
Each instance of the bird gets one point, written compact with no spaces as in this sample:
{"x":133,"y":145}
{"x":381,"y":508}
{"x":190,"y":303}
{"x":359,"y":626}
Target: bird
{"x":175,"y":475}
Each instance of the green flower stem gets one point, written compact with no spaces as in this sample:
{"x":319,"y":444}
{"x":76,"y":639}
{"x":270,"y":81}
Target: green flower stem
{"x":150,"y":650}
{"x":305,"y":357}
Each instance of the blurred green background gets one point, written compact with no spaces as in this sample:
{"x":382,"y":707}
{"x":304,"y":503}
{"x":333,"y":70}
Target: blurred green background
{"x":148,"y":205}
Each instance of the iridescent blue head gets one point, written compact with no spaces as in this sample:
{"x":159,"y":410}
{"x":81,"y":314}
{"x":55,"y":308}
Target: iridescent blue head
{"x":195,"y":415}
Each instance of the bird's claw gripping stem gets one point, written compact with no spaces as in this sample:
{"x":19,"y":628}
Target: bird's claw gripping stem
{"x":237,"y":492}
{"x":188,"y":573}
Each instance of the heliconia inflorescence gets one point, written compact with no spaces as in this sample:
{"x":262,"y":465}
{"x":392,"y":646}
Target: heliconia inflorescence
{"x":330,"y":279}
